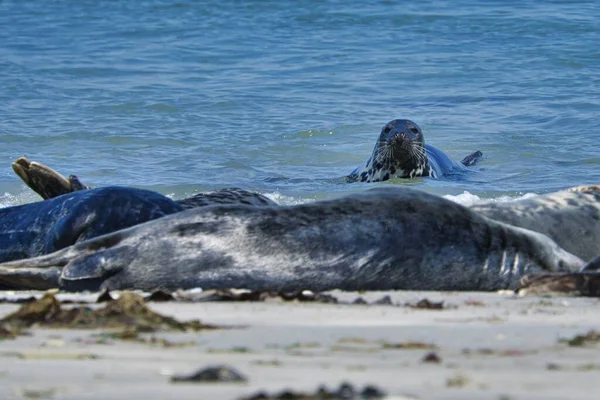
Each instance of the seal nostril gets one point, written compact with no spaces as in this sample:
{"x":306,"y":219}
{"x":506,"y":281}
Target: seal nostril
{"x":397,"y":139}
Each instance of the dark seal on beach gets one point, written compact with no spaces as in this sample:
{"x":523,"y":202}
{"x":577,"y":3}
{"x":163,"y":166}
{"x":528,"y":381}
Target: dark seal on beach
{"x":42,"y":227}
{"x":382,"y":239}
{"x":401,"y":152}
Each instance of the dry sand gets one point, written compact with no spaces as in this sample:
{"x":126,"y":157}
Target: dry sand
{"x":490,"y":346}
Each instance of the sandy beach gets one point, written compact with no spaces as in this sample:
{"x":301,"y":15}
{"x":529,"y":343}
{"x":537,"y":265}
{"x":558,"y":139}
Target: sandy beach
{"x":478,"y":346}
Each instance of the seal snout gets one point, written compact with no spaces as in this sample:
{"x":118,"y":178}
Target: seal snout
{"x":398,"y":139}
{"x":401,"y":140}
{"x":401,"y":133}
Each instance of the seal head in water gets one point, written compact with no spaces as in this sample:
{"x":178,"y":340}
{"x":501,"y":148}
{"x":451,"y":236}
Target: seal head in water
{"x":401,"y":152}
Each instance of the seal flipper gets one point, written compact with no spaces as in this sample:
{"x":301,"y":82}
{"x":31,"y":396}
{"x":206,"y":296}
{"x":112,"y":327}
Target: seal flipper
{"x":83,"y":266}
{"x":44,"y":180}
{"x":90,"y":271}
{"x":36,"y":273}
{"x":76,"y":184}
{"x":30,"y":278}
{"x":41,"y":179}
{"x":472,"y":158}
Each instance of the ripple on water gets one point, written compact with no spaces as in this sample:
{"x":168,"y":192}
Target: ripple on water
{"x":283,"y":96}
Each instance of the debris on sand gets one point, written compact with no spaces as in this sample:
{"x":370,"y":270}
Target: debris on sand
{"x":426,"y":304}
{"x":128,"y":312}
{"x":582,"y":340}
{"x":457,"y":381}
{"x":409,"y":346}
{"x":432,"y":357}
{"x":133,"y":335}
{"x":384,"y":301}
{"x":212,"y":375}
{"x":345,"y":392}
{"x":6,"y":332}
{"x":249,"y":295}
{"x":575,"y":284}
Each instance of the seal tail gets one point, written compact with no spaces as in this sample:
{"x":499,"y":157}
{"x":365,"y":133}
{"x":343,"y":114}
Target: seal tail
{"x":472,"y":158}
{"x":39,"y":273}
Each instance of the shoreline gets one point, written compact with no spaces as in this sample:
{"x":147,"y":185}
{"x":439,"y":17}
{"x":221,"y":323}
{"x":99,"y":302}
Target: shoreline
{"x":489,"y":345}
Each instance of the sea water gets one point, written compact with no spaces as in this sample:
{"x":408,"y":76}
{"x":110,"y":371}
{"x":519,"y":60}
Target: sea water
{"x":285,"y":97}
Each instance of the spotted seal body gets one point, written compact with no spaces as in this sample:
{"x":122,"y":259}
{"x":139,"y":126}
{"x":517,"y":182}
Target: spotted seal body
{"x":225,"y":196}
{"x":381,"y":239}
{"x":401,"y":152}
{"x":570,"y":217}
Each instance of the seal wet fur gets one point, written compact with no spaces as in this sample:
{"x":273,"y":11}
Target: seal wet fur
{"x":570,"y":217}
{"x":42,"y":227}
{"x":401,"y":152}
{"x":381,"y":239}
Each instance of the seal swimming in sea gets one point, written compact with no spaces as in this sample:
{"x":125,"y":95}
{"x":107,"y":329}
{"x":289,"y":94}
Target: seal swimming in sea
{"x":570,"y":217}
{"x":381,"y":239}
{"x":401,"y":152}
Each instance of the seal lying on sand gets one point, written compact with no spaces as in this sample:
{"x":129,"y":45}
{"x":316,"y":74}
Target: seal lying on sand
{"x":42,"y":227}
{"x":49,"y":184}
{"x":401,"y":152}
{"x":570,"y":217}
{"x":381,"y":239}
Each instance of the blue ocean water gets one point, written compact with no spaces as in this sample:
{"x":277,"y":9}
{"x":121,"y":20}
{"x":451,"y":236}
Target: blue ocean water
{"x":282,"y":96}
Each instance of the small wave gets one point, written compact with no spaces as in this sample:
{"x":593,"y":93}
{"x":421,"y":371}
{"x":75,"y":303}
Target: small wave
{"x":284,"y":200}
{"x":467,"y":199}
{"x":309,"y":133}
{"x":9,"y":199}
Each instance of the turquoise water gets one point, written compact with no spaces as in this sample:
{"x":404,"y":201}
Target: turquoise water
{"x":281,"y":97}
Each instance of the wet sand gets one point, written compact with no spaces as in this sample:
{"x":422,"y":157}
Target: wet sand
{"x":479,"y":346}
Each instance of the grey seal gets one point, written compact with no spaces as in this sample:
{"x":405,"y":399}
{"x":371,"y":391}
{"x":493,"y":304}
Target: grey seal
{"x":401,"y":152}
{"x":42,"y":227}
{"x":570,"y":217}
{"x":381,"y":239}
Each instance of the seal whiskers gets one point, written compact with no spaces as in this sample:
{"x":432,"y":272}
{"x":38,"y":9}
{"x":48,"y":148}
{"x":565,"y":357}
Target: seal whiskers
{"x":401,"y":152}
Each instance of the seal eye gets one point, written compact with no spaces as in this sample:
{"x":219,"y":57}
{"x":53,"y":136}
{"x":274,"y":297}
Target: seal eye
{"x":414,"y":130}
{"x":387,"y":128}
